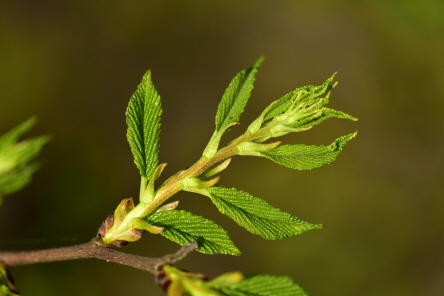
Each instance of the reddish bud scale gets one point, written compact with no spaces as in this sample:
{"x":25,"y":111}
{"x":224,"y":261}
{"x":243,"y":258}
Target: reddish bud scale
{"x":106,"y":225}
{"x":162,"y":279}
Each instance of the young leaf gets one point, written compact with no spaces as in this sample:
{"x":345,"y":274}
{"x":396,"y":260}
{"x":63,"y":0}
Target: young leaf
{"x":302,"y":109}
{"x":181,"y":283}
{"x":304,"y":157}
{"x":182,"y":227}
{"x":143,"y":120}
{"x":229,"y":284}
{"x":15,"y":170}
{"x":262,"y":285}
{"x":256,"y":215}
{"x":236,"y":96}
{"x":321,"y":115}
{"x":17,"y":179}
{"x":308,"y":92}
{"x":12,"y":136}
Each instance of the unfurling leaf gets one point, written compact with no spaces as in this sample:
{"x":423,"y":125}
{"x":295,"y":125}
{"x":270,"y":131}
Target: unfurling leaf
{"x":261,"y":285}
{"x":181,"y":283}
{"x":302,"y":108}
{"x":256,"y":215}
{"x":183,"y":227}
{"x":143,"y":120}
{"x":177,"y":282}
{"x":304,"y":157}
{"x":306,"y":93}
{"x":236,"y":96}
{"x":15,"y":170}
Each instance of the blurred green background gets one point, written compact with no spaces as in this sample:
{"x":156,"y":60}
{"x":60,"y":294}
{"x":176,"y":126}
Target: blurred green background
{"x":75,"y":64}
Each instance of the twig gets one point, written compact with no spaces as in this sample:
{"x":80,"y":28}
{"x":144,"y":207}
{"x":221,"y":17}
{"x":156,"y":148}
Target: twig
{"x":94,"y":250}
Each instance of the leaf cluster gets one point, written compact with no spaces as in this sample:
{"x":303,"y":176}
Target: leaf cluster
{"x":179,"y":282}
{"x":297,"y":111}
{"x":16,"y":168}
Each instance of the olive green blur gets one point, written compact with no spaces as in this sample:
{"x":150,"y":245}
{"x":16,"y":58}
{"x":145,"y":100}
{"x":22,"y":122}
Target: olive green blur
{"x":75,"y":64}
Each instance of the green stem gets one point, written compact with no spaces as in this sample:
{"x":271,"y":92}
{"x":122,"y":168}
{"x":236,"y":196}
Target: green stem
{"x":174,"y":184}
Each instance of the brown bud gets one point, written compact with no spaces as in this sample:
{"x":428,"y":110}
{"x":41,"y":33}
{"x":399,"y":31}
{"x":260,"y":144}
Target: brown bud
{"x":106,"y":225}
{"x":118,"y":243}
{"x":162,"y":279}
{"x":102,"y":230}
{"x":138,"y":232}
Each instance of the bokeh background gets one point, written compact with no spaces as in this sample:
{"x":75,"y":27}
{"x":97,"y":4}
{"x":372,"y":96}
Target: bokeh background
{"x":75,"y":64}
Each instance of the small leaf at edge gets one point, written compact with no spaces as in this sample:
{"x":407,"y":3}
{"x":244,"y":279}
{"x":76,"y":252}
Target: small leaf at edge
{"x":262,"y":285}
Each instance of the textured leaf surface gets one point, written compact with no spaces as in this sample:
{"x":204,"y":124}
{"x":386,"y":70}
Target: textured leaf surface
{"x":181,"y":227}
{"x":7,"y":287}
{"x":320,"y":116}
{"x":236,"y":96}
{"x":256,"y":215}
{"x":263,"y":285}
{"x":304,"y":157}
{"x":304,"y":107}
{"x":305,"y":93}
{"x":143,"y":120}
{"x":15,"y":170}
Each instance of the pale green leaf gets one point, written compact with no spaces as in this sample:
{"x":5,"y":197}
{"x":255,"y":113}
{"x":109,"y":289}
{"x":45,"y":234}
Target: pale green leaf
{"x":303,"y":108}
{"x":305,"y":157}
{"x":21,"y":153}
{"x":143,"y":120}
{"x":182,"y":227}
{"x":236,"y":96}
{"x":183,"y":283}
{"x":12,"y":136}
{"x":321,"y":115}
{"x":301,"y":94}
{"x":262,"y":285}
{"x":17,"y":179}
{"x":15,"y":156}
{"x":256,"y":215}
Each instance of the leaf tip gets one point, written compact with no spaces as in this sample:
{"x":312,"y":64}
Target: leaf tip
{"x":318,"y":226}
{"x":259,"y":61}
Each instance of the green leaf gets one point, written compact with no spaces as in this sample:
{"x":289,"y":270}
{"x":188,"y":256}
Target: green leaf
{"x":256,"y":215}
{"x":184,"y":283}
{"x":236,"y":96}
{"x":12,"y":136}
{"x":15,"y":170}
{"x":262,"y":285}
{"x":182,"y":227}
{"x":143,"y":120}
{"x":320,"y":116}
{"x":301,"y":94}
{"x":16,"y":179}
{"x":304,"y":157}
{"x":7,"y":287}
{"x":228,"y":284}
{"x":302,"y":109}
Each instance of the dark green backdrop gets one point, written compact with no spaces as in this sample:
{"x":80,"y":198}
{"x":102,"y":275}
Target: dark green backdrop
{"x":75,"y":64}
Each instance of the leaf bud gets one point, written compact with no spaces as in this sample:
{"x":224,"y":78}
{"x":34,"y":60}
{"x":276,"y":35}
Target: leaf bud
{"x":250,"y":148}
